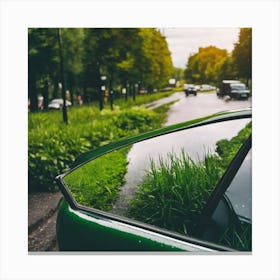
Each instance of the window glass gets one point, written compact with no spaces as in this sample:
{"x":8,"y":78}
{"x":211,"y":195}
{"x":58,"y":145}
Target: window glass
{"x":164,"y":181}
{"x":240,"y":190}
{"x":231,"y":222}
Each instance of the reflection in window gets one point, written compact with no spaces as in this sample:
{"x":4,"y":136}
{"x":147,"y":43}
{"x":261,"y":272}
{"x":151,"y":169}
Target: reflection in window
{"x":164,"y":181}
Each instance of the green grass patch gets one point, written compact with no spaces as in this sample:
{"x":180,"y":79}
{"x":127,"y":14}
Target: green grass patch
{"x":175,"y":191}
{"x":141,"y":99}
{"x":97,"y":183}
{"x":228,"y":148}
{"x":53,"y":146}
{"x":239,"y":238}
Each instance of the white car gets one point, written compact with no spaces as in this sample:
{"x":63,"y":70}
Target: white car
{"x":58,"y":104}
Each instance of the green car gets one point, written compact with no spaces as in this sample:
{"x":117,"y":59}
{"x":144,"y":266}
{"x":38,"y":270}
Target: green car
{"x":185,"y":187}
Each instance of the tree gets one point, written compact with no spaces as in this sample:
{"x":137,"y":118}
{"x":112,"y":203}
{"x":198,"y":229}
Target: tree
{"x":123,"y":55}
{"x":102,"y":53}
{"x":73,"y":51}
{"x":178,"y":73}
{"x":109,"y":52}
{"x":202,"y":67}
{"x":226,"y":70}
{"x":155,"y":59}
{"x":242,"y":54}
{"x":42,"y":60}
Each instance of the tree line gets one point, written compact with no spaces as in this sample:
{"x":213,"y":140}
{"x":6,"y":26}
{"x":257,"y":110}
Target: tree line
{"x":130,"y":58}
{"x":133,"y":59}
{"x":211,"y":65}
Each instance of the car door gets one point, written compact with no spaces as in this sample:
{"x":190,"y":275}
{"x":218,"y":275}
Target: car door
{"x":151,"y":192}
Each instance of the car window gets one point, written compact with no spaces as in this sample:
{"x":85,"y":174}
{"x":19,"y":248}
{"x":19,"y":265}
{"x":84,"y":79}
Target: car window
{"x":240,"y":190}
{"x":231,"y":221}
{"x":164,"y":181}
{"x":238,"y":86}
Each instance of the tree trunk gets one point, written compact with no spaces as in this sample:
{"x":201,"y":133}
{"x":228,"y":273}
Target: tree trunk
{"x":32,"y":94}
{"x":46,"y":96}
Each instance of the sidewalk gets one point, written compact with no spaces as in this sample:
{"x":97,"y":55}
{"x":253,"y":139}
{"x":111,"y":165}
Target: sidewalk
{"x":42,"y":212}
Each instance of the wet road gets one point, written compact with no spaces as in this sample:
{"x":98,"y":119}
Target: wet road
{"x":192,"y":107}
{"x":186,"y":108}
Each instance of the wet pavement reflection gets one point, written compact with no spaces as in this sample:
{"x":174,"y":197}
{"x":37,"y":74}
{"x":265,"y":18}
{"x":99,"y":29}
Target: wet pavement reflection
{"x":195,"y":142}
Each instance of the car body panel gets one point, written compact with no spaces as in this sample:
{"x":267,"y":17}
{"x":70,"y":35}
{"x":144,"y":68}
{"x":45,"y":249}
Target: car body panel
{"x":99,"y":233}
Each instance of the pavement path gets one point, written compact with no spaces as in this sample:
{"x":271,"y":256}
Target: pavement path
{"x":42,"y":213}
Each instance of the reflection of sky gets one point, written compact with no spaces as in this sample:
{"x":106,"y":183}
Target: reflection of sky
{"x":195,"y":142}
{"x":183,"y":42}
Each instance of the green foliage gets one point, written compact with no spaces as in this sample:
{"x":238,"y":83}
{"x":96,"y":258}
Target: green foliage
{"x":226,"y":69}
{"x":239,"y":238}
{"x":202,"y":66}
{"x":155,"y":59}
{"x":227,"y":148}
{"x":89,"y":53}
{"x":173,"y":193}
{"x":97,"y":183}
{"x":108,"y":51}
{"x":53,"y":147}
{"x":242,"y":53}
{"x":142,"y":99}
{"x":212,"y":65}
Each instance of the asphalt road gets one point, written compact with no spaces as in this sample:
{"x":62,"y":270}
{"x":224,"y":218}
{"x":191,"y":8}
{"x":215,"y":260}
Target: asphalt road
{"x":192,"y":107}
{"x":186,"y":108}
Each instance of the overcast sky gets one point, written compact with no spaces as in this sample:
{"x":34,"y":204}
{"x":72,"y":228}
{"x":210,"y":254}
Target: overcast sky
{"x":184,"y":41}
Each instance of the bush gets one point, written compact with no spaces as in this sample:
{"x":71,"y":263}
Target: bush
{"x":53,"y":146}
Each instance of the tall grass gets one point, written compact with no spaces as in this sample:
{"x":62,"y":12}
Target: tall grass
{"x":174,"y":192}
{"x":239,"y":238}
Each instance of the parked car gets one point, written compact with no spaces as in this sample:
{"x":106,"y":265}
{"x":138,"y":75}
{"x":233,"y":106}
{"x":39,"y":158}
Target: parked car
{"x":58,"y":104}
{"x":190,"y":89}
{"x":186,"y":187}
{"x":206,"y":88}
{"x":233,"y":89}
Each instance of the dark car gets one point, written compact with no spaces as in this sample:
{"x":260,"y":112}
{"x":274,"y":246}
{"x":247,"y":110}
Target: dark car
{"x":190,"y":89}
{"x":234,"y":89}
{"x":186,"y":187}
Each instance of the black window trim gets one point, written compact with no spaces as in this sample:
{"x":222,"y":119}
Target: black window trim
{"x":223,"y":184}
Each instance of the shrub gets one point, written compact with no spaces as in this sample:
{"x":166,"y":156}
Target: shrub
{"x":53,"y":146}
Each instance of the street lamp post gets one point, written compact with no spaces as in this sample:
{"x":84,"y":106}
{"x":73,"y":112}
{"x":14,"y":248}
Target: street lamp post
{"x":102,"y":90}
{"x":64,"y":110}
{"x":134,"y":91}
{"x":127,"y":91}
{"x":112,"y":99}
